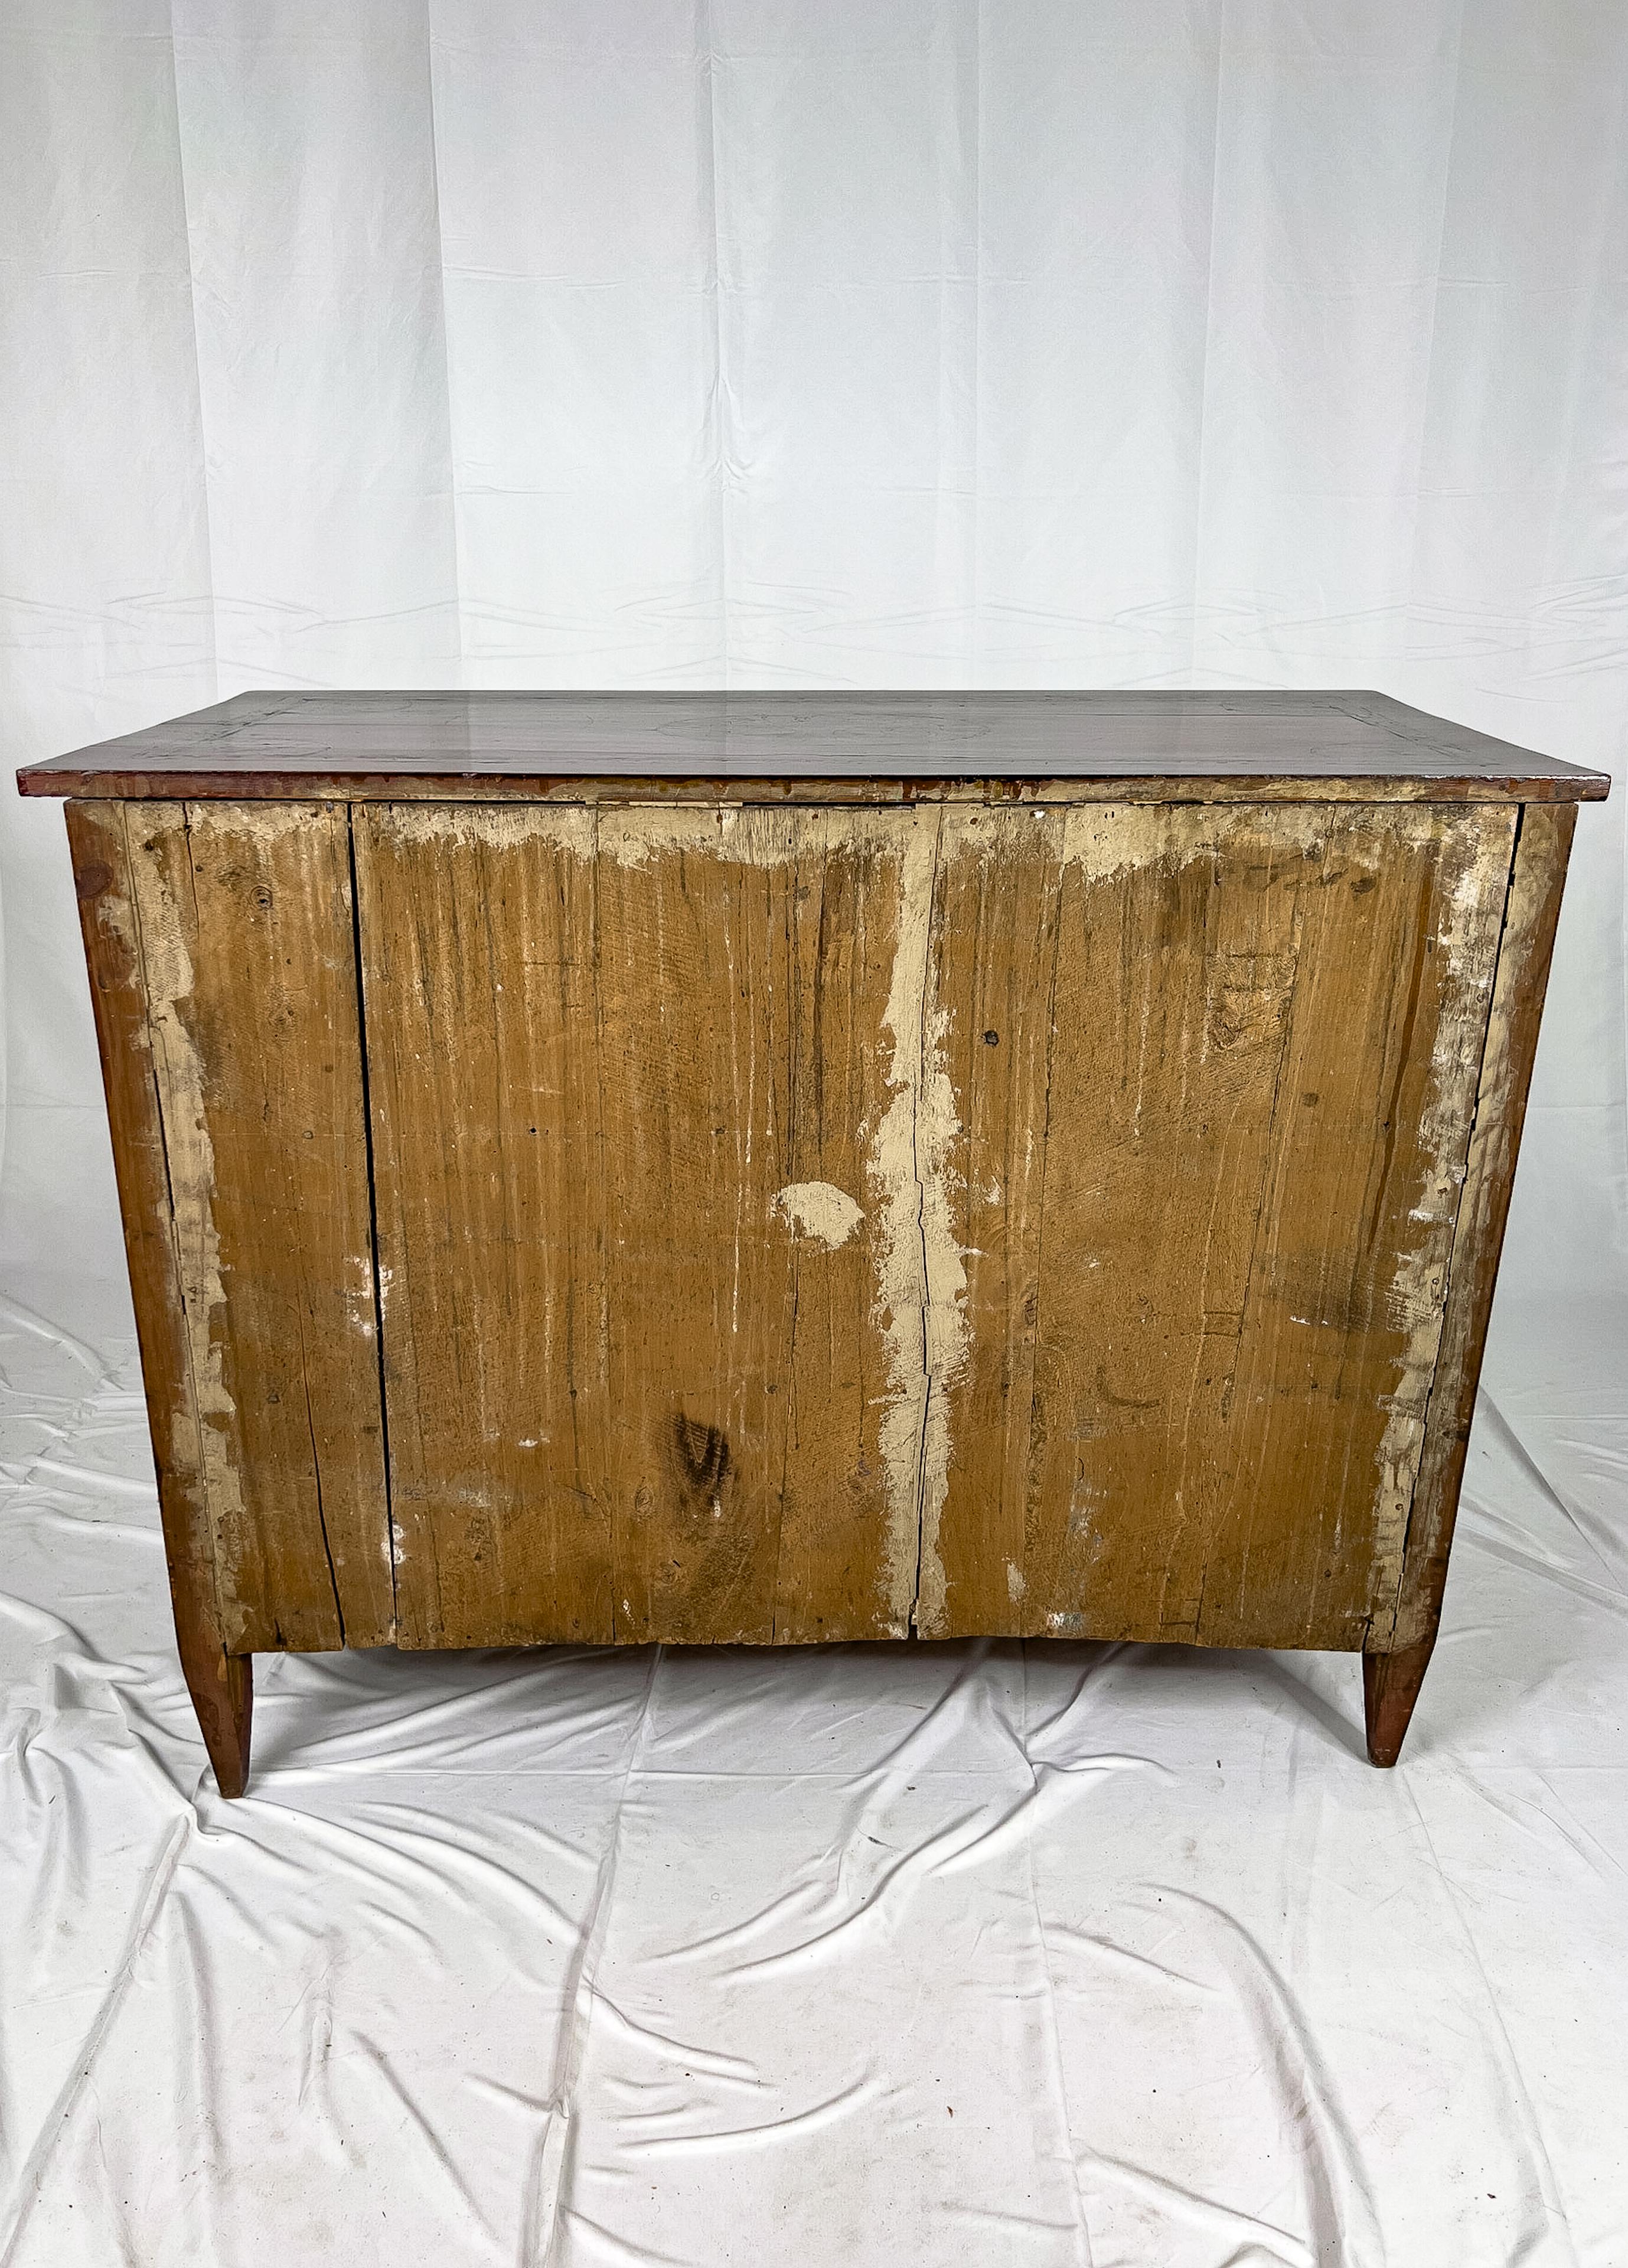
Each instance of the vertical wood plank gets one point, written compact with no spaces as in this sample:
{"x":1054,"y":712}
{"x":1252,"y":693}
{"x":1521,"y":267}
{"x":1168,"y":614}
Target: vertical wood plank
{"x":220,"y":1686}
{"x":1119,"y":1321}
{"x":1537,"y":882}
{"x":765,"y":1365}
{"x":244,"y":918}
{"x":478,"y":943}
{"x":995,"y":970}
{"x":838,"y":1571}
{"x":1398,"y":947}
{"x":627,"y":1073}
{"x":1265,"y":1029}
{"x":694,"y":1013}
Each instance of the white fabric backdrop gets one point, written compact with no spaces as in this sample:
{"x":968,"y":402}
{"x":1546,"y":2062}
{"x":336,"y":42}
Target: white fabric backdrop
{"x":825,"y":341}
{"x":350,"y":342}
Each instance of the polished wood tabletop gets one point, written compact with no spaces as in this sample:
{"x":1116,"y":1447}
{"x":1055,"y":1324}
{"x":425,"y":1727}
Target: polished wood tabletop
{"x":815,"y":747}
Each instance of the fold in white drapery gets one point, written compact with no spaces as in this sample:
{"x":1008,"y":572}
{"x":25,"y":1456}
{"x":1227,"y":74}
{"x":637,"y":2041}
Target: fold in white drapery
{"x":582,"y":341}
{"x":716,"y":343}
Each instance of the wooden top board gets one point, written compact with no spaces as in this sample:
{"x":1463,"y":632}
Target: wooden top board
{"x":815,"y":748}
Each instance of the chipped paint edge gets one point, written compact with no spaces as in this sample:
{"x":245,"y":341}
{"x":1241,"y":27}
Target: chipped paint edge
{"x":1468,"y":938}
{"x":819,"y":1210}
{"x":919,"y":1306}
{"x":632,"y":835}
{"x":168,"y":979}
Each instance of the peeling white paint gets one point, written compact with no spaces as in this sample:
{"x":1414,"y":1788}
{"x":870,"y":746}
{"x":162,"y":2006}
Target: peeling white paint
{"x":1105,"y":841}
{"x":819,"y":1208}
{"x":1466,"y":941}
{"x":921,"y":1277}
{"x":492,"y":826}
{"x":635,"y":834}
{"x":640,"y":833}
{"x":190,"y":1158}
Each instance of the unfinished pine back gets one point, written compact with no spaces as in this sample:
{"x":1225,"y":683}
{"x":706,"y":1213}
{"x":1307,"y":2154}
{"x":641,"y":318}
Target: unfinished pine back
{"x":772,"y":1169}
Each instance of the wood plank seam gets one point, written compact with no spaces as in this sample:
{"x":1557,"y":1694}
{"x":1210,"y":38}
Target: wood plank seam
{"x":596,"y":964}
{"x":914,"y":1168}
{"x":316,"y":1476}
{"x":1031,"y":1466}
{"x":305,"y":1363}
{"x":372,"y":1206}
{"x":925,"y":1013}
{"x":790,"y":928}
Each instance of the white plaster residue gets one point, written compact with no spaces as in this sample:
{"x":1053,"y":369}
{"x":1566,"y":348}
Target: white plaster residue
{"x":190,"y":1158}
{"x":492,"y":826}
{"x":745,"y":834}
{"x":359,"y":1292}
{"x":1108,"y":840}
{"x":921,"y":1278}
{"x":1015,"y":1585}
{"x":637,"y":833}
{"x":1467,"y":942}
{"x":819,"y":1208}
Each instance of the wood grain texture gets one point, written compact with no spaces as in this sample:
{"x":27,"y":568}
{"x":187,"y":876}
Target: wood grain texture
{"x":623,"y":1067}
{"x":812,"y":1224}
{"x":998,"y":931}
{"x":802,"y":1226}
{"x":245,"y":937}
{"x":1536,"y":885}
{"x":221,"y":1687}
{"x":483,"y":1085}
{"x":858,"y":748}
{"x":1390,"y":1690}
{"x":1205,"y":1184}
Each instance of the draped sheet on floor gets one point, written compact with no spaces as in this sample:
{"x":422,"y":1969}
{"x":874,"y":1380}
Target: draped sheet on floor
{"x":1038,"y":1954}
{"x":922,"y":342}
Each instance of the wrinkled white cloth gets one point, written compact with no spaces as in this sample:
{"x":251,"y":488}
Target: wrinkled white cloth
{"x":498,"y":342}
{"x":1035,"y":1954}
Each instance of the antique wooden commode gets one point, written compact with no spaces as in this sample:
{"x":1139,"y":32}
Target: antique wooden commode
{"x":775,"y":1168}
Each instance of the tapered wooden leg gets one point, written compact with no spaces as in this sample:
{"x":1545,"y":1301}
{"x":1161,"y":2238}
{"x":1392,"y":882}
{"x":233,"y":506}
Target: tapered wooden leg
{"x":1390,"y":1684}
{"x":222,"y":1686}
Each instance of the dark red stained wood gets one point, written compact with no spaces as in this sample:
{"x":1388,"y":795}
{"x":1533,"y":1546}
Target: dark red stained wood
{"x":1390,"y":1686}
{"x":815,"y":747}
{"x":225,"y":1704}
